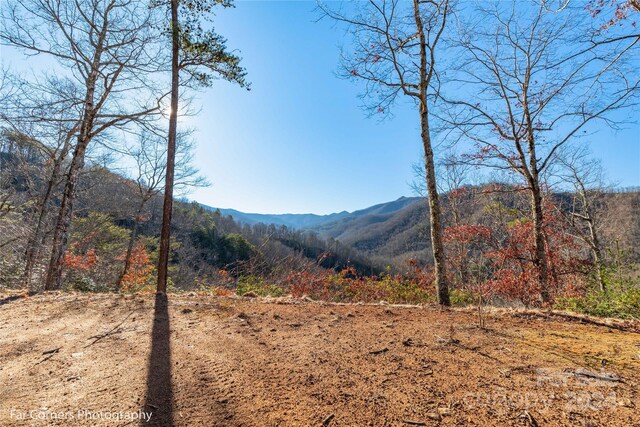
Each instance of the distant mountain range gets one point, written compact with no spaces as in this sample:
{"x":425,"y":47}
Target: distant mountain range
{"x":317,"y":222}
{"x":395,"y":230}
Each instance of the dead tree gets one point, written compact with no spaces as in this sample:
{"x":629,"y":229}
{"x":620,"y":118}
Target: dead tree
{"x":585,"y":215}
{"x":45,"y":111}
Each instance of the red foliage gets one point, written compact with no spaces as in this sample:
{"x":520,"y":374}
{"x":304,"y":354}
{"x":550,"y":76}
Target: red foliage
{"x":466,"y":233}
{"x":80,"y":262}
{"x":349,"y":286}
{"x":515,"y":275}
{"x":139,"y":270}
{"x":620,"y":10}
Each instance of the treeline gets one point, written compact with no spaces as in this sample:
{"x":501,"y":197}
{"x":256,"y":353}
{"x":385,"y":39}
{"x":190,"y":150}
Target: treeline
{"x":591,"y":239}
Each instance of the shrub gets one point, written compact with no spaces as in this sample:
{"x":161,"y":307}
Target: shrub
{"x":605,"y":304}
{"x":258,"y":286}
{"x":462,"y":297}
{"x":348,"y":286}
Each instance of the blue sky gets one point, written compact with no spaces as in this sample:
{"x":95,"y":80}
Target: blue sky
{"x":299,"y":142}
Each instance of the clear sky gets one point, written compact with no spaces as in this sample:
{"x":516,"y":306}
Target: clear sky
{"x":299,"y":142}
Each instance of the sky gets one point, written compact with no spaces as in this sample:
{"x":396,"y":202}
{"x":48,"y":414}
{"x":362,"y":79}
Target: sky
{"x":298,"y":141}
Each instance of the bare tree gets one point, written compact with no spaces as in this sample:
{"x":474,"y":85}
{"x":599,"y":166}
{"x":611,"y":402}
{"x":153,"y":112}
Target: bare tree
{"x":530,"y":82}
{"x":585,"y":214}
{"x":107,"y":49}
{"x":150,"y":156}
{"x":46,"y":111}
{"x":396,"y":45}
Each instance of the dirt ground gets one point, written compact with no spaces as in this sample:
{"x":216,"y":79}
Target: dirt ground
{"x":109,"y":360}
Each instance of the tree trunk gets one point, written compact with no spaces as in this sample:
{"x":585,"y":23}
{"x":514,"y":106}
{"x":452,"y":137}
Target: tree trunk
{"x":533,"y":176}
{"x":59,"y":246}
{"x":132,"y":241}
{"x":597,"y":254}
{"x":54,"y":273}
{"x":437,"y":245}
{"x":540,"y":255}
{"x":165,"y":232}
{"x":37,"y":238}
{"x":34,"y":245}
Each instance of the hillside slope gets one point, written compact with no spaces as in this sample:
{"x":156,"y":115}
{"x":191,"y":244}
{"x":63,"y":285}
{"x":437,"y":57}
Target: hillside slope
{"x":399,"y":228}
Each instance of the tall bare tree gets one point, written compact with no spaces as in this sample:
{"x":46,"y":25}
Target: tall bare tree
{"x":395,"y":47}
{"x":528,"y":83}
{"x":45,"y":110}
{"x":584,"y":176}
{"x":150,"y":156}
{"x":199,"y":56}
{"x":107,"y":49}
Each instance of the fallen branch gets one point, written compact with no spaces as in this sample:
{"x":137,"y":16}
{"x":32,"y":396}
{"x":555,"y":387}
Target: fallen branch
{"x":49,"y":354}
{"x":611,"y":377}
{"x":108,"y":333}
{"x":624,"y":326}
{"x":414,"y":423}
{"x":382,"y":350}
{"x":328,"y":420}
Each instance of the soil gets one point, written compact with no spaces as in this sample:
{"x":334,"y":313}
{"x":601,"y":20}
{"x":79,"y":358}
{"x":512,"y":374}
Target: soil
{"x":86,"y":359}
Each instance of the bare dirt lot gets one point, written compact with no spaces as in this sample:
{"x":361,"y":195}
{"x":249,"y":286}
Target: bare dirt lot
{"x":70,"y":359}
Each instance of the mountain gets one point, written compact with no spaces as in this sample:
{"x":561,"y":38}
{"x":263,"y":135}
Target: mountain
{"x":295,"y":221}
{"x":395,"y":230}
{"x":313,"y":221}
{"x":392,"y":233}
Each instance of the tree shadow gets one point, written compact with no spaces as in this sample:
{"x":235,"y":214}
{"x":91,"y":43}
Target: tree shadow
{"x":159,"y":396}
{"x":9,"y":299}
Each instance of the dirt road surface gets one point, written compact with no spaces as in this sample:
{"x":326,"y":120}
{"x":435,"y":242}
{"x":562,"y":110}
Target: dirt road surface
{"x":112,"y":360}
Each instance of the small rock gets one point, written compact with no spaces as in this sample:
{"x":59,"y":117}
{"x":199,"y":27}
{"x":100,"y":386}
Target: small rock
{"x":444,"y":411}
{"x":626,"y":402}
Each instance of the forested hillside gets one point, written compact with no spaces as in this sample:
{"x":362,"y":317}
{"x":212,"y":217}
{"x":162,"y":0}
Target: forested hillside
{"x":114,"y":236}
{"x":117,"y":222}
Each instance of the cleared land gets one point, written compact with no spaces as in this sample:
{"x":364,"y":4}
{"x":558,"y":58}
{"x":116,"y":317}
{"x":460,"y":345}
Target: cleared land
{"x":254,"y":362}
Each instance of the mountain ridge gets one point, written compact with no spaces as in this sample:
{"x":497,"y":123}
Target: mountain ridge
{"x":312,"y":221}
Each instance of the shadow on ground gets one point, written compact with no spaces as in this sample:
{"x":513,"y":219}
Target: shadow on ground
{"x":159,"y":397}
{"x":9,"y":299}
